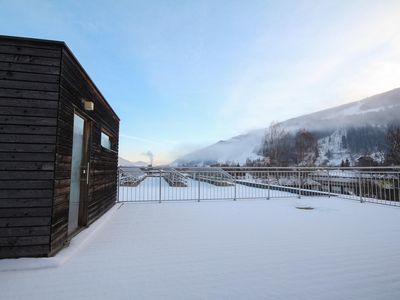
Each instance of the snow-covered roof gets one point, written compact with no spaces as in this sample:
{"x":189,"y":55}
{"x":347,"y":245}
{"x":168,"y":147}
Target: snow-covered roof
{"x":222,"y":250}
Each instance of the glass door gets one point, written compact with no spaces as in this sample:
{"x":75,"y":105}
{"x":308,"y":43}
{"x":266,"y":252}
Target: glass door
{"x":78,"y":173}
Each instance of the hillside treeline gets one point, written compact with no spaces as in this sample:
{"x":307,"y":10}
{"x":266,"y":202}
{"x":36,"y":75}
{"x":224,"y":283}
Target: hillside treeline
{"x":283,"y":148}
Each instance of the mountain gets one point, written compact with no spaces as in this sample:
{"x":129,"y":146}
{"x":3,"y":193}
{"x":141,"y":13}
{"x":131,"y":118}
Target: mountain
{"x":122,"y":162}
{"x":378,"y":110}
{"x":235,"y":150}
{"x":362,"y":123}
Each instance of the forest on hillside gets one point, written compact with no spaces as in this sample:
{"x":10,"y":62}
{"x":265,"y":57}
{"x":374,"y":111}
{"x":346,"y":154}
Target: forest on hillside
{"x":283,"y":148}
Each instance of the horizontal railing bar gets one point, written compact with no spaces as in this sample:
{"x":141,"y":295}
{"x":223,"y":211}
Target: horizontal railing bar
{"x":208,"y":169}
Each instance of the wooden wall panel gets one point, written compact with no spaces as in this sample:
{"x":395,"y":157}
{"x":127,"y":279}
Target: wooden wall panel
{"x":29,"y":92}
{"x":75,"y":85}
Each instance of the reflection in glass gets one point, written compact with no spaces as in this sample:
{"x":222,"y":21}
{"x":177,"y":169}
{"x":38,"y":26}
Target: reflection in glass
{"x":77,"y":155}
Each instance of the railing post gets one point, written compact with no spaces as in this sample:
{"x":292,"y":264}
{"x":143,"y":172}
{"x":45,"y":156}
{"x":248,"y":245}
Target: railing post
{"x":398,"y":187}
{"x":299,"y":178}
{"x":118,"y":182}
{"x":329,"y":184}
{"x":159,"y":196}
{"x":198,"y":189}
{"x":234,"y":185}
{"x":268,"y":197}
{"x":360,"y":187}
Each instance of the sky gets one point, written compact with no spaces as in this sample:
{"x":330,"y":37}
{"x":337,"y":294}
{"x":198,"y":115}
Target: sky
{"x":184,"y":74}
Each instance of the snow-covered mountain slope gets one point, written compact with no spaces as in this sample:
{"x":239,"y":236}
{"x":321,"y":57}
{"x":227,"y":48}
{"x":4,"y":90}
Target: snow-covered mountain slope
{"x":127,"y":163}
{"x":378,"y":111}
{"x":332,"y":151}
{"x":234,"y":150}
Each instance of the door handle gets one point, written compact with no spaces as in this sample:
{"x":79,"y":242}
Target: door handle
{"x":87,"y":173}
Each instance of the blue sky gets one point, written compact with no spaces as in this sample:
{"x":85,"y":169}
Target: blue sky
{"x":184,"y":74}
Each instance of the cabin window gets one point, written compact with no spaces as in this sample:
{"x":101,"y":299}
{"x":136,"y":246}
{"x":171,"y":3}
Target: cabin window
{"x":106,"y":141}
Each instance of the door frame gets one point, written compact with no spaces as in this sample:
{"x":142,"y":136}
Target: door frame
{"x":85,"y":171}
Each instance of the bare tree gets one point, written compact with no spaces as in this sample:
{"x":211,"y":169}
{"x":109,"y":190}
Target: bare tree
{"x":393,"y":141}
{"x":306,"y":147}
{"x":277,"y":145}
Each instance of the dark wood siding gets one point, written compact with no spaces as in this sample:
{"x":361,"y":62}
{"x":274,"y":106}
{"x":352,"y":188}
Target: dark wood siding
{"x":75,"y":85}
{"x":29,"y":93}
{"x":41,"y":84}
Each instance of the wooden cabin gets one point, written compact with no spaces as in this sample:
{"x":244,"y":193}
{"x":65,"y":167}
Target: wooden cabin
{"x":58,"y":148}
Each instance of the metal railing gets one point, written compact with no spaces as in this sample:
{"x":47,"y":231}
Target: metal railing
{"x":377,"y":185}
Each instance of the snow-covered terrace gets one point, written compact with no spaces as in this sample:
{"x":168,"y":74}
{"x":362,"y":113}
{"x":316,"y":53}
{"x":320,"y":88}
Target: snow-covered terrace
{"x":245,"y":249}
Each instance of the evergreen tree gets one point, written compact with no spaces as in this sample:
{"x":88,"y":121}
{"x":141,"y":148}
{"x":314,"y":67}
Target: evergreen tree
{"x":393,"y":142}
{"x":328,"y":154}
{"x":347,"y":163}
{"x":344,"y":142}
{"x":365,"y":139}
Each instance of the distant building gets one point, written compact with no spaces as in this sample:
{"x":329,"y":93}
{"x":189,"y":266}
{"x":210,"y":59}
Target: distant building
{"x":58,"y":148}
{"x":366,"y":161}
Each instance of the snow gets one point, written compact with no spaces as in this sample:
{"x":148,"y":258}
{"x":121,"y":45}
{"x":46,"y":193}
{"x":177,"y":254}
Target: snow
{"x":358,"y":108}
{"x":333,"y":144}
{"x":248,"y":249}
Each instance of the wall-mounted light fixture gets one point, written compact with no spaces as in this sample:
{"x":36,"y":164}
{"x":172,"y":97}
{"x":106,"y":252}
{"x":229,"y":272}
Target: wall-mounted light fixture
{"x":88,"y":105}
